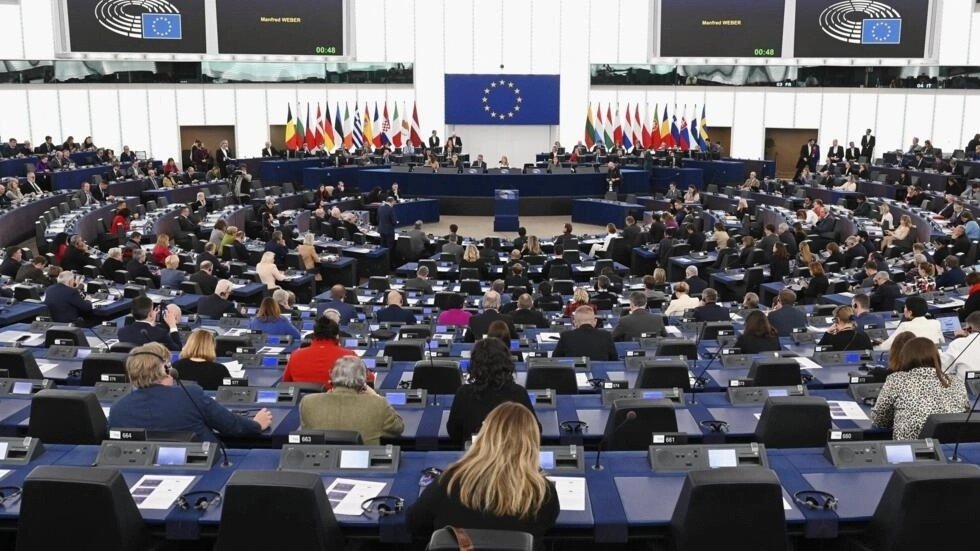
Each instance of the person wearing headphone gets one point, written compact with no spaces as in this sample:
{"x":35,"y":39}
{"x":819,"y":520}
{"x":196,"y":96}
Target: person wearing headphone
{"x":844,"y":334}
{"x":963,"y":354}
{"x":156,"y":402}
{"x":498,"y":484}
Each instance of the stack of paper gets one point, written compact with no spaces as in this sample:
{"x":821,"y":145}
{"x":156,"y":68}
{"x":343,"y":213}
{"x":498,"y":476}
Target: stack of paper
{"x":159,"y":491}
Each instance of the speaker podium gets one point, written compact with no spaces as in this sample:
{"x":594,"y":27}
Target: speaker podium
{"x":505,"y":204}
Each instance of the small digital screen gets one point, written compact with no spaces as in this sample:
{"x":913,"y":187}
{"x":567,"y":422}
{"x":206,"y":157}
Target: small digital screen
{"x":899,"y":454}
{"x":515,"y":344}
{"x":270,"y":396}
{"x":171,"y":456}
{"x":270,"y":361}
{"x":533,"y":396}
{"x":464,"y":365}
{"x":652,"y":394}
{"x":433,"y":345}
{"x":775,"y":392}
{"x":22,"y":387}
{"x":547,"y":460}
{"x":307,"y":326}
{"x":396,"y":398}
{"x":355,"y":459}
{"x":273,"y":340}
{"x":350,"y":343}
{"x":369,"y":363}
{"x":3,"y":450}
{"x":722,"y":458}
{"x":362,"y":316}
{"x":851,"y":357}
{"x":950,"y":324}
{"x":184,"y":319}
{"x":441,"y":329}
{"x":83,"y":353}
{"x":374,"y":327}
{"x":174,"y":356}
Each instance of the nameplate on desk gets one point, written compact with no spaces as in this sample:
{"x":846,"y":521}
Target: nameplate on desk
{"x":615,"y":385}
{"x":19,"y":451}
{"x":669,"y":438}
{"x":114,"y":378}
{"x":413,"y":397}
{"x":257,"y":395}
{"x":706,"y":456}
{"x":24,"y":387}
{"x":234,"y":381}
{"x":973,"y":382}
{"x":611,"y":395}
{"x":859,"y":379}
{"x":157,"y":455}
{"x":138,"y":435}
{"x":111,"y":391}
{"x":638,"y":353}
{"x":743,"y":395}
{"x":841,"y":435}
{"x":335,"y":458}
{"x":882,"y":453}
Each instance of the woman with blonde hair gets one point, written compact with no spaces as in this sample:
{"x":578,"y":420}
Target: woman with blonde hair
{"x":659,"y":277}
{"x":227,"y":239}
{"x":197,"y":361}
{"x":683,"y":302}
{"x":898,"y":234}
{"x":806,"y":257}
{"x":579,"y":298}
{"x":887,"y":220}
{"x":268,"y":271}
{"x":161,"y":250}
{"x":533,"y":246}
{"x":307,"y":251}
{"x":498,"y":483}
{"x":471,"y":259}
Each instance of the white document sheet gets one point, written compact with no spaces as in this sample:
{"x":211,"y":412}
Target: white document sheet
{"x":546,"y":336}
{"x":159,"y":491}
{"x":841,"y":409}
{"x":571,"y":492}
{"x":347,"y":495}
{"x":582,"y":379}
{"x":807,"y":363}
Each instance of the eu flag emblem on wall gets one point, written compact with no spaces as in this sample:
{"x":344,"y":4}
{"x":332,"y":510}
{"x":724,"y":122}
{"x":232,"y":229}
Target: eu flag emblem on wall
{"x":162,"y":26}
{"x":502,"y":99}
{"x":881,"y":31}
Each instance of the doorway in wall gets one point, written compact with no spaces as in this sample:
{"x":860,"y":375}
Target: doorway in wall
{"x":783,"y":146}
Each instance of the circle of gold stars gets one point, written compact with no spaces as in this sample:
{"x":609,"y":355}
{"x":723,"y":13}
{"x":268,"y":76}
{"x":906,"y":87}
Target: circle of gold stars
{"x":165,"y":21}
{"x":506,"y":86}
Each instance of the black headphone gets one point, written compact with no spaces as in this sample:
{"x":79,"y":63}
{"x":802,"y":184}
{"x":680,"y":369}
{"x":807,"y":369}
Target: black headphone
{"x":816,"y":500}
{"x":573,"y":426}
{"x":849,"y":319}
{"x":9,"y":493}
{"x":200,"y":500}
{"x":386,"y":505}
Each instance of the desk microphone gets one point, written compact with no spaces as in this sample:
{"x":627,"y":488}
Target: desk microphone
{"x":966,"y":424}
{"x":175,"y":375}
{"x":699,"y":378}
{"x":630,"y":416}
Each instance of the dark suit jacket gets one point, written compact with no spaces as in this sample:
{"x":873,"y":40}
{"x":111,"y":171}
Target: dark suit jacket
{"x":75,"y":259}
{"x":418,"y":284}
{"x":141,"y":333}
{"x":711,"y":312}
{"x":29,"y":271}
{"x":347,"y":311}
{"x":481,"y":322}
{"x":65,"y":303}
{"x":786,"y":319}
{"x":207,"y":281}
{"x":635,"y":324}
{"x":837,"y":152}
{"x":696,"y":285}
{"x":110,"y":266}
{"x":530,"y":317}
{"x":596,"y":344}
{"x":395,"y":314}
{"x":9,"y":267}
{"x":852,"y":153}
{"x":386,"y":219}
{"x":185,"y":227}
{"x":212,"y":306}
{"x":138,"y":269}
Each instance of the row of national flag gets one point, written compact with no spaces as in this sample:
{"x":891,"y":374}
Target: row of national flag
{"x":350,"y":129}
{"x":635,"y":132}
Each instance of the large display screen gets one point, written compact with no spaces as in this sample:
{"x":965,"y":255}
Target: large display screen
{"x":281,"y":27}
{"x":721,"y":28}
{"x":861,"y":28}
{"x":136,"y":26}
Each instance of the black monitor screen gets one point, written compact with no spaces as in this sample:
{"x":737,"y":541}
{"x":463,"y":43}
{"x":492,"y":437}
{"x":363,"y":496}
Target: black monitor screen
{"x":150,"y":26}
{"x":721,"y":28}
{"x":281,"y":27}
{"x":861,"y":28}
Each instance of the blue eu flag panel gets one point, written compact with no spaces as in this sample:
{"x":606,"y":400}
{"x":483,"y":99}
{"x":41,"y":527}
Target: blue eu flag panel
{"x":881,"y":31}
{"x":502,"y":99}
{"x":164,"y":26}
